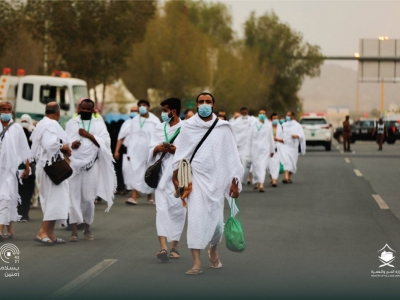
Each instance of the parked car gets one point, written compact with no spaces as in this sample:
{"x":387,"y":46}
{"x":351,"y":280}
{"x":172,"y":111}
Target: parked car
{"x":362,"y":131}
{"x":338,"y":134}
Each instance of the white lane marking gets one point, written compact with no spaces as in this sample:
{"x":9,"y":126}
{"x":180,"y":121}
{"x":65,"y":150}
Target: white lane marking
{"x":382,"y":204}
{"x":84,"y":278}
{"x":358,"y":173}
{"x":347,"y":160}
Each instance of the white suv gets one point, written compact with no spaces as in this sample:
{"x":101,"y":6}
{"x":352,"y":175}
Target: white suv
{"x":317,"y":130}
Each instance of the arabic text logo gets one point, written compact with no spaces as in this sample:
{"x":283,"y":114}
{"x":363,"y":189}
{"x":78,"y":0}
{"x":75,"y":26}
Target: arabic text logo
{"x":9,"y":252}
{"x":386,"y":255}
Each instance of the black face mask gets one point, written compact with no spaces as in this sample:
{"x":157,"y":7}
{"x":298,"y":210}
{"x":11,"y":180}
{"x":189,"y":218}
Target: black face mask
{"x":85,"y":115}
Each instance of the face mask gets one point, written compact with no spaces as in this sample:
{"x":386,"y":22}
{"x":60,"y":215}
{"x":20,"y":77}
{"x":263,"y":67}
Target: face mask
{"x":275,"y":122}
{"x":261,"y":117}
{"x":133,"y":114}
{"x":85,"y":115}
{"x":165,"y":117}
{"x":24,"y":124}
{"x":143,"y":110}
{"x":5,"y":117}
{"x":288,"y":119}
{"x":282,"y":121}
{"x":205,"y":110}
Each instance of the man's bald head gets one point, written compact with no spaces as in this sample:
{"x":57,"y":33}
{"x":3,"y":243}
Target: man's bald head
{"x":52,"y":108}
{"x":5,"y":103}
{"x":134,"y":108}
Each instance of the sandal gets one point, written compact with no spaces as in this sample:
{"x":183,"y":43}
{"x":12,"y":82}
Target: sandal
{"x":193,"y":272}
{"x":171,"y":256}
{"x":285,"y":181}
{"x":8,"y":236}
{"x":261,"y":191}
{"x":45,"y":241}
{"x":59,"y":241}
{"x":163,"y":255}
{"x":73,"y":238}
{"x":131,"y":201}
{"x":88,"y":235}
{"x":214,"y":264}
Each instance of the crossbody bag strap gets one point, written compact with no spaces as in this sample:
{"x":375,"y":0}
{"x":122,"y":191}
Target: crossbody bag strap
{"x":171,"y":141}
{"x":204,"y":138}
{"x":5,"y":129}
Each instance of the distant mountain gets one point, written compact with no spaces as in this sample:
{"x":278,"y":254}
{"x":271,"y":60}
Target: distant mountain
{"x":337,"y":85}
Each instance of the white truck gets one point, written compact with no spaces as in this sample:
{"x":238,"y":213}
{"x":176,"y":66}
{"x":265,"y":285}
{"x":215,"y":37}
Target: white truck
{"x":30,"y":94}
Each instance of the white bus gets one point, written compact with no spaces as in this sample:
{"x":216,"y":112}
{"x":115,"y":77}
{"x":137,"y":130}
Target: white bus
{"x":30,"y":94}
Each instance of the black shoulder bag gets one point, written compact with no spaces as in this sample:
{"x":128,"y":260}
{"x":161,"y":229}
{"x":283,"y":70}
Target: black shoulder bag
{"x":59,"y":170}
{"x":152,"y":175}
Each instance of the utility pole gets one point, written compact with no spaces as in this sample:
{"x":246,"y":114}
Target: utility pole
{"x":382,"y":106}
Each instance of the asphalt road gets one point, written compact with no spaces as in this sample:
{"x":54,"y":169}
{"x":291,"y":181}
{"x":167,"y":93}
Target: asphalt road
{"x":317,"y":238}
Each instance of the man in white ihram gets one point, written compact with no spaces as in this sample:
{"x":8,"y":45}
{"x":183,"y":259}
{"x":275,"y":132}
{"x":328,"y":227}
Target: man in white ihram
{"x":14,"y":150}
{"x":123,"y":139}
{"x":93,"y":168}
{"x":262,"y":148}
{"x":141,"y":131}
{"x":293,"y":137}
{"x":241,"y":126}
{"x":216,"y":173}
{"x":171,"y":215}
{"x":49,"y":142}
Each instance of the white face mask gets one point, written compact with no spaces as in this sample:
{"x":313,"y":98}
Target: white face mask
{"x":25,"y":124}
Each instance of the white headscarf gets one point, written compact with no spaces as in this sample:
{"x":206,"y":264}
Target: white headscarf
{"x":27,"y":118}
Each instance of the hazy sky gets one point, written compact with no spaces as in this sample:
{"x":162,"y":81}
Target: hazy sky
{"x":336,"y":26}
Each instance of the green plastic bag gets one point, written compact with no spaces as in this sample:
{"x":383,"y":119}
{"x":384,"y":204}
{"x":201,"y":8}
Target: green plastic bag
{"x":234,"y":237}
{"x":281,"y":170}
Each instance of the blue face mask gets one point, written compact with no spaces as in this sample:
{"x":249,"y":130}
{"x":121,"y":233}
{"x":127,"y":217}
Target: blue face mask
{"x":275,"y":122}
{"x":288,"y":119}
{"x":5,"y":117}
{"x":205,"y":110}
{"x":261,"y":117}
{"x":282,"y":121}
{"x":165,"y":117}
{"x":133,"y":114}
{"x":143,"y":110}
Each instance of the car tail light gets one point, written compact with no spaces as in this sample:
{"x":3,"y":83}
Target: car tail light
{"x":325,"y":127}
{"x":394,"y":129}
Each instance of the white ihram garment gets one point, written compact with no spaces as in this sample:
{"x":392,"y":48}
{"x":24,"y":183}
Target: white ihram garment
{"x":171,"y":215}
{"x":138,"y":150}
{"x":93,"y":170}
{"x":261,"y":147}
{"x":277,"y":159}
{"x":46,"y":141}
{"x":14,"y":150}
{"x":214,"y":166}
{"x":291,"y":145}
{"x":241,"y":127}
{"x":124,"y":134}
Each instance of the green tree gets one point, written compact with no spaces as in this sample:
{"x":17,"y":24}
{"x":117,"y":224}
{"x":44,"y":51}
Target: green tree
{"x":9,"y":23}
{"x":92,"y":39}
{"x":283,"y":54}
{"x":213,"y":19}
{"x":172,"y":58}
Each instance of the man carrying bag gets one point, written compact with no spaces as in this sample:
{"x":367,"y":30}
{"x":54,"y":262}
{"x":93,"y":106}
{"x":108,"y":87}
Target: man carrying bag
{"x":216,"y":173}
